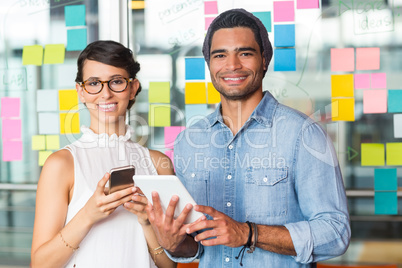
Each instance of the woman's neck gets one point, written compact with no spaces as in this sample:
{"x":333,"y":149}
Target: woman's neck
{"x":118,"y":128}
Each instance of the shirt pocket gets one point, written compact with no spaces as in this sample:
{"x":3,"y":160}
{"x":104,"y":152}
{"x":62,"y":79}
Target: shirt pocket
{"x":197,"y":184}
{"x":266,"y":193}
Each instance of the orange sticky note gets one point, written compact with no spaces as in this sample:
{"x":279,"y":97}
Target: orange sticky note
{"x":195,"y":93}
{"x":342,"y":85}
{"x":343,"y":109}
{"x":213,"y":94}
{"x":69,"y":123}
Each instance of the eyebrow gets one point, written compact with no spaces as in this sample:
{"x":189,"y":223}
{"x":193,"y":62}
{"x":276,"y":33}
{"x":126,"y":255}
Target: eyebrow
{"x":111,"y":77}
{"x":239,"y":49}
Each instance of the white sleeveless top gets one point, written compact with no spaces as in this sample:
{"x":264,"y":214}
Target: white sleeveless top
{"x":118,"y":240}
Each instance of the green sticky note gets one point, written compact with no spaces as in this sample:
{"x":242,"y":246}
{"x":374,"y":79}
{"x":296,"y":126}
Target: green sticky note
{"x":43,"y":155}
{"x":159,"y":115}
{"x":385,"y":179}
{"x":54,"y":54}
{"x":159,"y":92}
{"x":394,"y":154}
{"x":373,"y":154}
{"x":386,"y":203}
{"x":32,"y":55}
{"x":38,"y":142}
{"x":52,"y":142}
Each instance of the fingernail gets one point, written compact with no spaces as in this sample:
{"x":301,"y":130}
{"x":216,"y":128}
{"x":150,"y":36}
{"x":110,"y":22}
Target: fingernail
{"x":196,"y":240}
{"x":188,"y":230}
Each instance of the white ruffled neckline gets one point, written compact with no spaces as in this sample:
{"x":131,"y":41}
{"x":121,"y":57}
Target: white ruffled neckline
{"x":104,"y":136}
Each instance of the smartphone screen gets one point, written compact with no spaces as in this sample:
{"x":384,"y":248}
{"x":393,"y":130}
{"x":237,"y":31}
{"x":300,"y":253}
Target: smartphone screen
{"x":121,"y":178}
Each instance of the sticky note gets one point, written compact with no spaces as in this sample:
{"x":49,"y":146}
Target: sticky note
{"x":54,"y":54}
{"x":284,"y":35}
{"x":74,"y":15}
{"x":69,"y":123}
{"x":385,"y":179}
{"x":43,"y":155}
{"x":76,"y":39}
{"x":342,"y":59}
{"x":362,"y":81}
{"x":379,"y":80}
{"x":194,"y":69}
{"x":385,"y":203}
{"x":171,"y":134}
{"x":307,"y":4}
{"x":398,"y":125}
{"x":343,"y":109}
{"x":368,"y":58}
{"x":10,"y":107}
{"x":213,"y":95}
{"x":38,"y":142}
{"x":52,"y":142}
{"x":68,"y":100}
{"x":11,"y":129}
{"x":394,"y":101}
{"x":159,"y":92}
{"x":285,"y":59}
{"x":195,"y":112}
{"x":373,"y":154}
{"x":342,"y":85}
{"x":159,"y":115}
{"x":47,"y":100}
{"x":394,"y":153}
{"x":48,"y":123}
{"x":265,"y":18}
{"x":375,"y":101}
{"x":210,"y":7}
{"x":12,"y":150}
{"x":32,"y":55}
{"x":195,"y":93}
{"x":208,"y":21}
{"x":284,"y":11}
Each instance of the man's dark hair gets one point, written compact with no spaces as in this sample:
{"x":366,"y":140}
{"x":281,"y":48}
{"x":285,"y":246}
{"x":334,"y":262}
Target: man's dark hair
{"x":110,"y":53}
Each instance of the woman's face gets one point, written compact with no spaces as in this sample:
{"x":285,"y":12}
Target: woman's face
{"x":106,"y":106}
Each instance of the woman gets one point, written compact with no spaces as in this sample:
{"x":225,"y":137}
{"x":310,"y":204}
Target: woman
{"x":76,"y":223}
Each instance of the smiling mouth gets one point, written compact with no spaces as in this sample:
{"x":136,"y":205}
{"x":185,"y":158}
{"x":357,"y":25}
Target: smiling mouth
{"x":107,"y":107}
{"x":234,"y":78}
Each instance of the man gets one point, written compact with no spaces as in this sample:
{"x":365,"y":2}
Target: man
{"x":266,"y":175}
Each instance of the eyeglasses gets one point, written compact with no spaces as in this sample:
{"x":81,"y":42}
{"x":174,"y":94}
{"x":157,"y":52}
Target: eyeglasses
{"x":95,"y":86}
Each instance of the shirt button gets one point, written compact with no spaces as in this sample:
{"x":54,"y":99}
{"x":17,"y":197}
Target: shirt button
{"x":265,"y":179}
{"x":229,"y":177}
{"x":231,"y":147}
{"x":192,"y":175}
{"x":227,"y":259}
{"x":228,"y":204}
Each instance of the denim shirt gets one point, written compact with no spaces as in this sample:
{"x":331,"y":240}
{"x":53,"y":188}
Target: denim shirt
{"x":279,"y":169}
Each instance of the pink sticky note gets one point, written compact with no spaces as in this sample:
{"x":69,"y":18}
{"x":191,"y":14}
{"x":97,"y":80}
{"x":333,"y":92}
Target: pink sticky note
{"x":211,"y":7}
{"x":284,"y":11}
{"x":10,"y":107}
{"x":379,"y":80}
{"x":12,"y":150}
{"x":362,"y":81}
{"x":368,"y":58}
{"x":208,"y":21}
{"x":306,"y":4}
{"x":171,"y":134}
{"x":375,"y":101}
{"x":343,"y":59}
{"x":11,"y":129}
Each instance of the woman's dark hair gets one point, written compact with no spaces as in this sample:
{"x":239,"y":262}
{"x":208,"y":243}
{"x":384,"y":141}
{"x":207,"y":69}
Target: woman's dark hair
{"x":110,"y":53}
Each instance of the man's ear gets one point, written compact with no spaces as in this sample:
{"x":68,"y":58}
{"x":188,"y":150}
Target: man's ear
{"x":134,"y":85}
{"x":80,"y":92}
{"x":264,"y":61}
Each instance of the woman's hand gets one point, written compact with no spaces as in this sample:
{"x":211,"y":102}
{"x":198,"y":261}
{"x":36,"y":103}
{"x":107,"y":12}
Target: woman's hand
{"x":137,"y":206}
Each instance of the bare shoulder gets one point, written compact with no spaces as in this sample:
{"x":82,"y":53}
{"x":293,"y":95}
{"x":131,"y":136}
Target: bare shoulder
{"x":162,"y":163}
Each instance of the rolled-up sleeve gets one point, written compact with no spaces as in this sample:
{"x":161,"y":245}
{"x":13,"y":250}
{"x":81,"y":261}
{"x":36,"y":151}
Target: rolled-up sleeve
{"x":200,"y":251}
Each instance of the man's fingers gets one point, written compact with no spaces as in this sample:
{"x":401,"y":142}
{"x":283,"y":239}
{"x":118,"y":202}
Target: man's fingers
{"x":169,"y":214}
{"x":178,"y":223}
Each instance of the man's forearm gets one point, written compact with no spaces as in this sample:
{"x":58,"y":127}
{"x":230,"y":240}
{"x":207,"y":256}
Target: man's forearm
{"x":188,"y":248}
{"x":275,"y":239}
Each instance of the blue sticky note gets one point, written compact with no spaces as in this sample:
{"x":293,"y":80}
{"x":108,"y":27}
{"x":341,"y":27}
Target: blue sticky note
{"x":284,"y":35}
{"x":385,"y":179}
{"x":285,"y":59}
{"x":76,"y":39}
{"x":394,"y":101}
{"x":74,"y":15}
{"x":265,"y":18}
{"x":386,"y":203}
{"x":195,"y":112}
{"x":195,"y":68}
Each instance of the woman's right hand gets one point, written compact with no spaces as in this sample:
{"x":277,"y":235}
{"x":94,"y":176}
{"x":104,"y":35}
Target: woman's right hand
{"x":101,"y":205}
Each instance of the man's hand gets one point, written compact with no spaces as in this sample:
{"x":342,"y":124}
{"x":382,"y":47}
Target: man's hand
{"x":222,"y":230}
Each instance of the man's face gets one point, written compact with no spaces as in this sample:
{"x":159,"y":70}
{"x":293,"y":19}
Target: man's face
{"x":236,"y":64}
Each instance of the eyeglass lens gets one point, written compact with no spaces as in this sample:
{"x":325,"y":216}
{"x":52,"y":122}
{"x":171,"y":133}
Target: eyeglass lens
{"x":95,"y":86}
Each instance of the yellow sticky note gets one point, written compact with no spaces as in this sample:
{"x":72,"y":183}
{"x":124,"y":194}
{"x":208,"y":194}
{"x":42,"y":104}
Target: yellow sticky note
{"x":159,"y":92}
{"x":195,"y":93}
{"x":343,"y":109}
{"x":38,"y":142}
{"x":54,"y":54}
{"x":32,"y":55}
{"x":213,"y":94}
{"x":373,"y":154}
{"x":394,"y":154}
{"x":69,"y":123}
{"x":43,"y":155}
{"x":342,"y":85}
{"x":159,"y":115}
{"x":68,"y":100}
{"x":52,"y":142}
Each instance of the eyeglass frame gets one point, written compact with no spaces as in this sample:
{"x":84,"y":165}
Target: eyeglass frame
{"x":82,"y":84}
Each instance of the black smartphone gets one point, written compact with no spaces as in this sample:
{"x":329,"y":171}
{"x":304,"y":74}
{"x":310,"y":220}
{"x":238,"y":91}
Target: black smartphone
{"x":121,"y":178}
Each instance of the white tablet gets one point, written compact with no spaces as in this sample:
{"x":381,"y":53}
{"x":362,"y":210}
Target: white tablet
{"x":167,"y":186}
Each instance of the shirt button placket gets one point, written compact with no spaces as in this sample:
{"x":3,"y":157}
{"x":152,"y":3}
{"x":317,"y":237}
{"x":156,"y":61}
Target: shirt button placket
{"x":229,"y":195}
